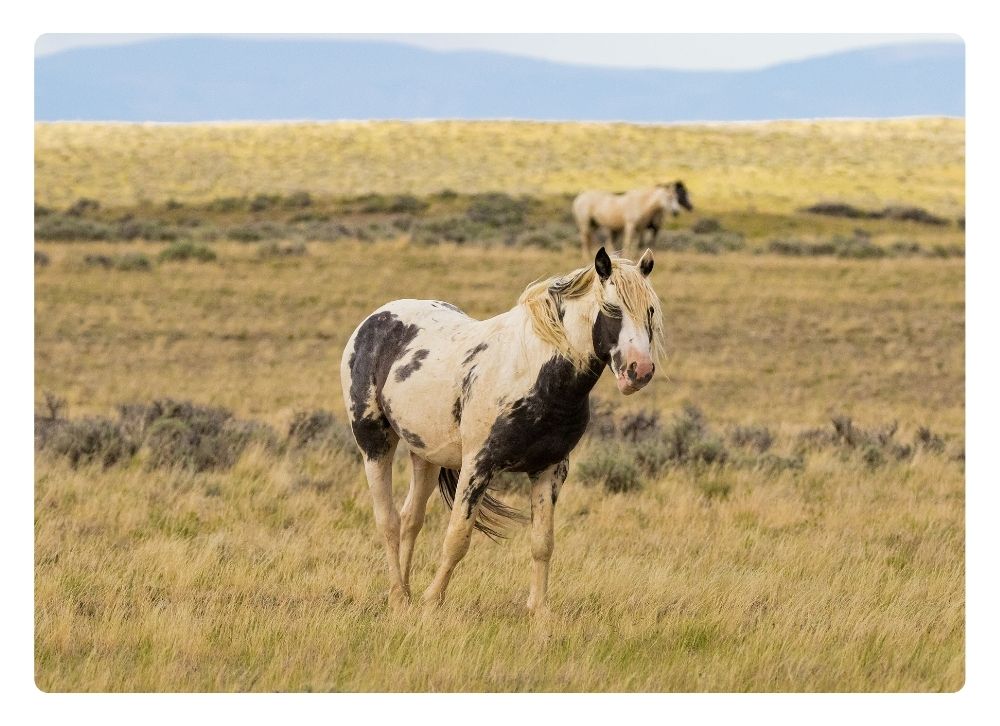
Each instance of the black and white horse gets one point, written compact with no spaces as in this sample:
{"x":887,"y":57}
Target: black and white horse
{"x":473,"y":398}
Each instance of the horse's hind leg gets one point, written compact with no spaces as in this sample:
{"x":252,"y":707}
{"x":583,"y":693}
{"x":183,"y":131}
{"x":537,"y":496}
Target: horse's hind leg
{"x":422,"y":486}
{"x":544,"y":492}
{"x":379,"y":474}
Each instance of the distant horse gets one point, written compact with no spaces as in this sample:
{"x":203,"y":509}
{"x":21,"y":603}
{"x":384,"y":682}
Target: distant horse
{"x":475,"y":398}
{"x":630,"y":213}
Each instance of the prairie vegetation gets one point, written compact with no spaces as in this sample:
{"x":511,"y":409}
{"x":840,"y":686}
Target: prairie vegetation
{"x":782,"y":508}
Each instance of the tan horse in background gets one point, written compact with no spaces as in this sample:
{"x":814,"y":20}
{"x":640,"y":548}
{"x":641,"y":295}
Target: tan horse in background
{"x":630,"y":213}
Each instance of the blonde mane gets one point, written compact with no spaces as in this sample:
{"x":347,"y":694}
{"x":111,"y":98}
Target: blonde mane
{"x":542,"y":301}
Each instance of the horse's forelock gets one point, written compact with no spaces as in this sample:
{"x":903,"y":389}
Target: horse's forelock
{"x":542,"y":300}
{"x":638,"y":298}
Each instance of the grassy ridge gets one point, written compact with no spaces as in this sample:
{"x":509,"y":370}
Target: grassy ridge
{"x":767,"y":167}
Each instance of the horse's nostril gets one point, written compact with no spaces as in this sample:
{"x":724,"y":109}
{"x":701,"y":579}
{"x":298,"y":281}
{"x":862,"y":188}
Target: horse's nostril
{"x":633,"y":370}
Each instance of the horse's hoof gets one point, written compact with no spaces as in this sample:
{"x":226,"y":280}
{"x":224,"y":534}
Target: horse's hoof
{"x":539,"y":612}
{"x":431,"y":602}
{"x":399,"y":598}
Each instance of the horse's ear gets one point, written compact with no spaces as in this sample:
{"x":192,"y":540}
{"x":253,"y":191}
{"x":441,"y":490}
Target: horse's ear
{"x":646,"y":262}
{"x":602,"y":263}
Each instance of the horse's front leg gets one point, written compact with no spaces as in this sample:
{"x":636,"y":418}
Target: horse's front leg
{"x":545,"y":487}
{"x":585,"y":241}
{"x":469,"y":492}
{"x":630,"y":231}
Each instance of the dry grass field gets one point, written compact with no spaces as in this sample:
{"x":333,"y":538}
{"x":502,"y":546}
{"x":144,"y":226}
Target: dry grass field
{"x":817,"y":557}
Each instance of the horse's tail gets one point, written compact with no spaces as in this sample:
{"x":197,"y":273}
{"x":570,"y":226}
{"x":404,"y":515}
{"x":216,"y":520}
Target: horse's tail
{"x":494,"y":515}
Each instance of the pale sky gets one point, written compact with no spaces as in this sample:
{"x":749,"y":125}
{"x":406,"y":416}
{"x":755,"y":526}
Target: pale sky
{"x":701,"y":51}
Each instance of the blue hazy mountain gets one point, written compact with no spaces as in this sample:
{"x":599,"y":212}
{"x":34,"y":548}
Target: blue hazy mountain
{"x":212,"y":78}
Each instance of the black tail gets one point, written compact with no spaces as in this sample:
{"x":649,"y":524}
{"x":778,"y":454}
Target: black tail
{"x":494,"y":515}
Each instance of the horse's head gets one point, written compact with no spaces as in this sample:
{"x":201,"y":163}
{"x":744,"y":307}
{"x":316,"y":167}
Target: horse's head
{"x":605,"y":314}
{"x":628,"y":327}
{"x":678,"y":197}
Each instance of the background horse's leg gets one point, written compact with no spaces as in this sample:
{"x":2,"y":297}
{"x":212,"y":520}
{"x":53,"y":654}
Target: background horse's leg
{"x":585,"y":239}
{"x":422,"y":485}
{"x":468,"y":497}
{"x":627,"y":244}
{"x":544,"y":492}
{"x":379,"y":473}
{"x":615,"y":239}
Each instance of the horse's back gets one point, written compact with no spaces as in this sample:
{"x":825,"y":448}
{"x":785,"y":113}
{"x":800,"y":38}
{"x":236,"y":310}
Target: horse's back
{"x":583,"y":204}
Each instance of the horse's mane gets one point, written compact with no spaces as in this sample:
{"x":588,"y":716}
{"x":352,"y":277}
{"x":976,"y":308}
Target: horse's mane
{"x":542,"y":300}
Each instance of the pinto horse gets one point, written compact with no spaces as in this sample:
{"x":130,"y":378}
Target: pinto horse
{"x":632,"y":213}
{"x":473,"y":398}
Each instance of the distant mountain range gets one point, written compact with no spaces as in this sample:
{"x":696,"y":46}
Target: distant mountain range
{"x":212,"y":78}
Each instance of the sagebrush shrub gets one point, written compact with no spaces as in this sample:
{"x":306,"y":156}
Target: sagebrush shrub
{"x":612,"y":467}
{"x":496,"y":209}
{"x":67,"y":228}
{"x":133,"y":261}
{"x":705,"y":225}
{"x":184,"y":251}
{"x":321,"y":429}
{"x":90,"y":440}
{"x":758,"y":438}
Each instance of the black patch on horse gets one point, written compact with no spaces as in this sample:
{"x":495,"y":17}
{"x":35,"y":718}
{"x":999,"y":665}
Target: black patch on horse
{"x":542,"y":427}
{"x":559,"y":478}
{"x":448,"y":305}
{"x":472,"y":353}
{"x":380,"y":341}
{"x":406,"y":370}
{"x":470,"y":378}
{"x":604,"y":335}
{"x":456,"y":410}
{"x":479,"y":482}
{"x":412,"y":439}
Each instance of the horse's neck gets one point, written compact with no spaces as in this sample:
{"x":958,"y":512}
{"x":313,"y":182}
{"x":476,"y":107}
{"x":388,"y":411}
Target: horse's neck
{"x":658,"y":197}
{"x":579,"y":331}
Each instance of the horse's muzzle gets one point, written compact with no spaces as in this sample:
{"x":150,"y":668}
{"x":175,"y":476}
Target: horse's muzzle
{"x":635,"y":376}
